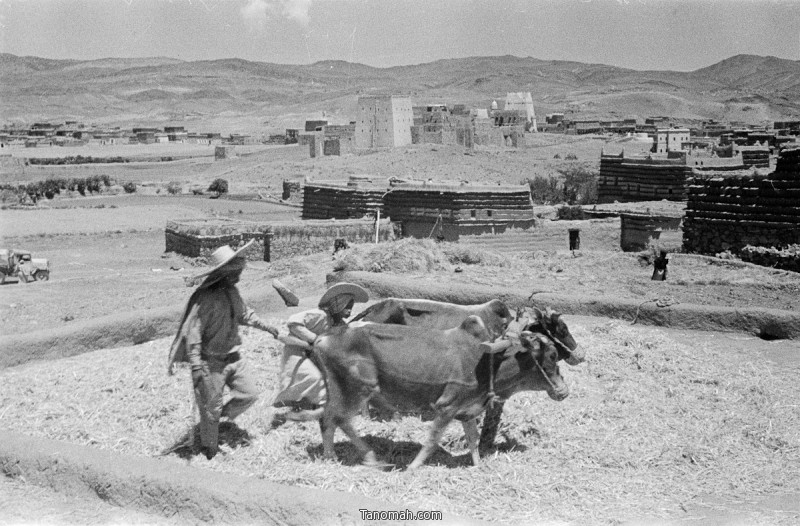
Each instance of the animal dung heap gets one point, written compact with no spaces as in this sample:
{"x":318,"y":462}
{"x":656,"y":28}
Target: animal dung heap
{"x":447,"y":212}
{"x":728,"y":213}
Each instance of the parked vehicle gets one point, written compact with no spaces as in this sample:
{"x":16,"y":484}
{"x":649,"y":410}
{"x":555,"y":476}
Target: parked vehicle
{"x":21,"y":265}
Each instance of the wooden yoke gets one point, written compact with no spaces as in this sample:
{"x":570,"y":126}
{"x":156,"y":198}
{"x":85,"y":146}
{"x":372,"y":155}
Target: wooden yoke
{"x":492,"y":348}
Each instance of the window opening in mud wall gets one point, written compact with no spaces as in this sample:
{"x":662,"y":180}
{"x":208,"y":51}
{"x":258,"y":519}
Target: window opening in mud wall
{"x":488,"y":213}
{"x":473,"y":214}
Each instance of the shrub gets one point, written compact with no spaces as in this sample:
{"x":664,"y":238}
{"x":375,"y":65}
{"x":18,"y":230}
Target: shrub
{"x":571,"y":157}
{"x":557,"y":156}
{"x":580,"y":185}
{"x":570,"y":212}
{"x":219,"y":186}
{"x":174,"y":188}
{"x":129,"y":187}
{"x":545,"y":190}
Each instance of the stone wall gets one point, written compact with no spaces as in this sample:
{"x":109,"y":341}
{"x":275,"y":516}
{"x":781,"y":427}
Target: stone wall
{"x":201,"y":237}
{"x":641,"y":179}
{"x":274,"y":240}
{"x":785,"y":259}
{"x":728,"y":213}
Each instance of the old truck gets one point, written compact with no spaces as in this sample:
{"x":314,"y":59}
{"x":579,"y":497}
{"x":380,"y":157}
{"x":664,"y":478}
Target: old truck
{"x":21,"y":265}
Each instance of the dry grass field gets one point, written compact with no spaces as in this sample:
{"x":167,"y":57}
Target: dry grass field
{"x":656,"y":424}
{"x":660,"y":424}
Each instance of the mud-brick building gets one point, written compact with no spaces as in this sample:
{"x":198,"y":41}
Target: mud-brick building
{"x":627,"y":179}
{"x":728,"y":213}
{"x":522,"y":102}
{"x":435,"y":124}
{"x":670,"y":139}
{"x":384,"y":121}
{"x":338,"y":139}
{"x":756,"y":155}
{"x":455,"y":212}
{"x":357,"y":197}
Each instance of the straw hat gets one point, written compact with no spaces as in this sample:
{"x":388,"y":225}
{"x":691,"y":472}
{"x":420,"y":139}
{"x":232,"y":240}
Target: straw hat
{"x":359,"y":294}
{"x":221,"y":257}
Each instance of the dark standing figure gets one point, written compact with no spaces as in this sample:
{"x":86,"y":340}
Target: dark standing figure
{"x":660,"y":267}
{"x":208,"y":339}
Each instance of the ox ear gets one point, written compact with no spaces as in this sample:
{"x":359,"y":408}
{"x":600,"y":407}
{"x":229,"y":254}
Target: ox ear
{"x":474,"y":326}
{"x":530,"y":342}
{"x":538,"y":315}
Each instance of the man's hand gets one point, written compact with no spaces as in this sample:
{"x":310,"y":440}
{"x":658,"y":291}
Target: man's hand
{"x":199,"y":374}
{"x":264,"y":326}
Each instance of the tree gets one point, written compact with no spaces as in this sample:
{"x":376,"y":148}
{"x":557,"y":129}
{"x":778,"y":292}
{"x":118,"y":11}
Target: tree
{"x":219,"y":186}
{"x":580,"y":185}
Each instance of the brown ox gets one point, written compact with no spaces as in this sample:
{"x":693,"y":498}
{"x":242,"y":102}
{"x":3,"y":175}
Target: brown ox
{"x":496,"y":316}
{"x":437,"y":315}
{"x":449,"y":371}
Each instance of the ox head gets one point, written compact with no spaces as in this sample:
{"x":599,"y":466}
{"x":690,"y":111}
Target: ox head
{"x":497,"y":316}
{"x":537,"y":358}
{"x":543,"y":353}
{"x":550,"y":324}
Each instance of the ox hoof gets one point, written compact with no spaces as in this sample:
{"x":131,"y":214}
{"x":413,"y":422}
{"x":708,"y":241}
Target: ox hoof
{"x":371,"y":461}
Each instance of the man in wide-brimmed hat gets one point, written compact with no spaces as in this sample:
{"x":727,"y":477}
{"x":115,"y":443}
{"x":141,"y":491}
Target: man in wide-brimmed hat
{"x":302,"y":385}
{"x":208,"y":339}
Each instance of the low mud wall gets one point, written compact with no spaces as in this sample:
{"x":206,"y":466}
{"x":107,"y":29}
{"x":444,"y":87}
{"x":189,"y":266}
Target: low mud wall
{"x":141,"y":326}
{"x":274,"y":240}
{"x":176,"y":490}
{"x":117,"y":330}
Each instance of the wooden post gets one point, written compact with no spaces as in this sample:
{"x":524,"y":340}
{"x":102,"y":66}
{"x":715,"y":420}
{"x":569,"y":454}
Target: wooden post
{"x":377,"y":224}
{"x":267,"y":242}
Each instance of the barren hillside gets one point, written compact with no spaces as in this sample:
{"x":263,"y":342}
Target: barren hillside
{"x":239,"y":95}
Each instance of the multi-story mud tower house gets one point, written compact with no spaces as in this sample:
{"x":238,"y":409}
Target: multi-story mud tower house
{"x":453,"y":212}
{"x":523,"y":102}
{"x":384,"y":121}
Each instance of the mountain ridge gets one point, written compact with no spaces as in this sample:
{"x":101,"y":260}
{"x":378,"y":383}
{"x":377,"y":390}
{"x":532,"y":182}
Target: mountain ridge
{"x":742,"y":88}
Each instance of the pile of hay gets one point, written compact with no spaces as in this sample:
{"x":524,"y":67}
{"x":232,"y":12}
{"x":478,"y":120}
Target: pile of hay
{"x":413,"y":255}
{"x":650,"y":425}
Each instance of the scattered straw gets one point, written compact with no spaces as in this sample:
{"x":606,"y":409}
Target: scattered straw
{"x":650,"y":425}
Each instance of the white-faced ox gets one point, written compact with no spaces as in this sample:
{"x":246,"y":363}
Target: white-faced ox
{"x":496,"y":317}
{"x":448,"y":371}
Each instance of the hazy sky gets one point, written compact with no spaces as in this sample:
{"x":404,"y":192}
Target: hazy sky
{"x":639,"y":34}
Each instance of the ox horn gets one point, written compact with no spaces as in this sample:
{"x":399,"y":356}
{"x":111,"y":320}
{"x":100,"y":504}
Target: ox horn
{"x":495,"y":347}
